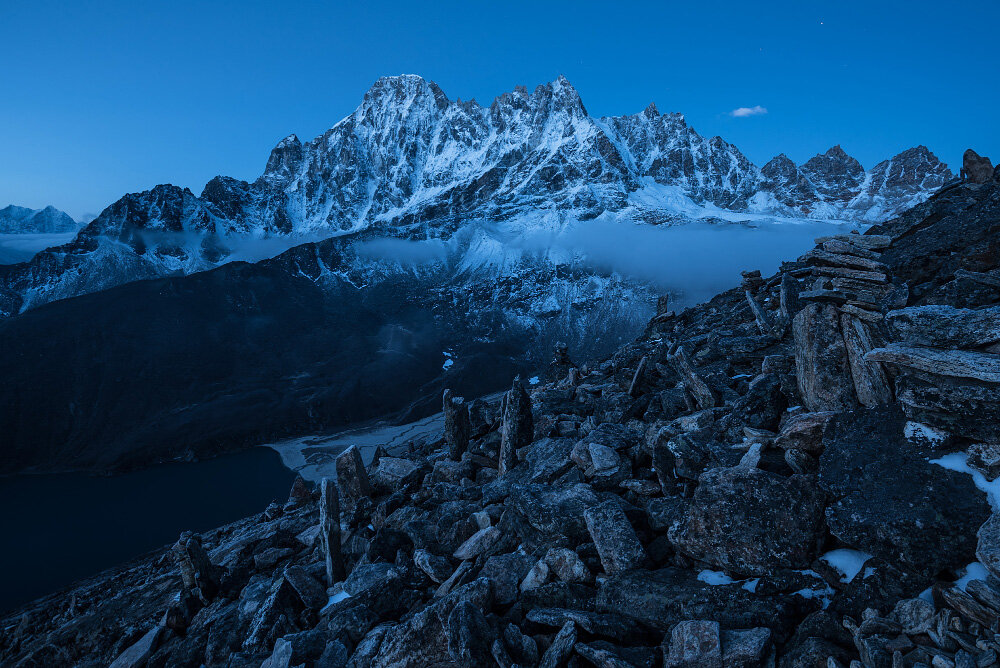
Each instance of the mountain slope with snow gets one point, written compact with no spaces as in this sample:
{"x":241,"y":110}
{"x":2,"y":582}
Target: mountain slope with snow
{"x":22,"y":220}
{"x":411,"y":163}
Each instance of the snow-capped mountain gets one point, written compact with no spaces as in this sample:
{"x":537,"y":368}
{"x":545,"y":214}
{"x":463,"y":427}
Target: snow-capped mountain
{"x":21,"y":220}
{"x":411,"y":163}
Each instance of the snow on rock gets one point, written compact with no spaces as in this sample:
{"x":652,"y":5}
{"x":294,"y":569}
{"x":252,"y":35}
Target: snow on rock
{"x":958,"y":461}
{"x":848,"y":562}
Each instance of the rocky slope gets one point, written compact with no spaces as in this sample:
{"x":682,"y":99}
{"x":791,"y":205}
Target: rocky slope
{"x":21,"y":220}
{"x":409,"y":162}
{"x":779,"y":476}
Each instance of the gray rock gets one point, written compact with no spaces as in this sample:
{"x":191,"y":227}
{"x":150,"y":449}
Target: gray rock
{"x":943,"y":326}
{"x":329,"y":531}
{"x":310,"y":592}
{"x":423,"y":639}
{"x":822,"y":368}
{"x":457,"y":427}
{"x":616,"y":542}
{"x":985,"y":458}
{"x":561,"y":647}
{"x":518,"y":426}
{"x":976,"y":168}
{"x":890,"y":502}
{"x":870,"y":381}
{"x":437,"y":568}
{"x":554,"y":510}
{"x":536,"y":577}
{"x":746,"y":649}
{"x":139,"y":652}
{"x":352,"y":477}
{"x":393,"y":473}
{"x":505,"y":572}
{"x":915,"y":615}
{"x":470,"y":638}
{"x":988,"y":544}
{"x":479,"y":543}
{"x":694,"y":644}
{"x":752,"y":522}
{"x":567,"y":565}
{"x":804,"y":432}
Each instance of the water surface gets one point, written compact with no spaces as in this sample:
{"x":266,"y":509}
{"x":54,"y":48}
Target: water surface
{"x":60,"y":528}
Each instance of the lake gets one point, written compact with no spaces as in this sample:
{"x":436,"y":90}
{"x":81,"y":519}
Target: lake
{"x":63,"y":527}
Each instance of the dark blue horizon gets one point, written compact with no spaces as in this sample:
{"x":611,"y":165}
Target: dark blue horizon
{"x":105,"y":98}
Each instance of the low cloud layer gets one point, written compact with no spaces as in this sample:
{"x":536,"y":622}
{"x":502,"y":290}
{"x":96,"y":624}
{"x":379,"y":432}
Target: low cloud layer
{"x":742,"y":112}
{"x":694,"y":261}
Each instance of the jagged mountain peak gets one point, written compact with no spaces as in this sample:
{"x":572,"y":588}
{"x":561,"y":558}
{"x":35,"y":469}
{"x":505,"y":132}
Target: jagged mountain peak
{"x":410,"y":162}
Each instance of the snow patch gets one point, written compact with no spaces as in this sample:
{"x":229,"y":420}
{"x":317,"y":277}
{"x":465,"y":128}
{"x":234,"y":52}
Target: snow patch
{"x":715,"y":577}
{"x":848,"y":562}
{"x":917,"y":431}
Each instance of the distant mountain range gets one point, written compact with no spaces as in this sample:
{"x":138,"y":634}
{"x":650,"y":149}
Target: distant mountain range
{"x":420,"y":243}
{"x":411,"y":163}
{"x":21,"y":220}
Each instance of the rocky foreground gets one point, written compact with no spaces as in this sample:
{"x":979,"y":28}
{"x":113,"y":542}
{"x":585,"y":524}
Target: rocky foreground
{"x":765,"y":479}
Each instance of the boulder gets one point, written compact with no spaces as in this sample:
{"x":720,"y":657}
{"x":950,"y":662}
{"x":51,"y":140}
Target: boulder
{"x":890,"y":501}
{"x":752,"y":522}
{"x":870,"y":382}
{"x":660,"y":598}
{"x":746,"y":649}
{"x":554,"y":510}
{"x":976,"y":168}
{"x":822,"y":368}
{"x":479,"y":543}
{"x":804,"y":432}
{"x":505,"y":572}
{"x":567,"y":565}
{"x":470,"y":638}
{"x":425,"y":638}
{"x":988,"y":544}
{"x":561,"y":647}
{"x":942,"y":326}
{"x":614,"y":537}
{"x":138,"y":653}
{"x":694,"y":644}
{"x":352,"y":478}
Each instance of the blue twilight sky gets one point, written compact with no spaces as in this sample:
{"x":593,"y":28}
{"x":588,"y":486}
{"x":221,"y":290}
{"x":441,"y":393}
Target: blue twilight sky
{"x":102,"y":98}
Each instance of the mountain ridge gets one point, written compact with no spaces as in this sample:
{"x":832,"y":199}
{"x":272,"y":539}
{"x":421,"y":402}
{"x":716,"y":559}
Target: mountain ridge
{"x":414,"y":164}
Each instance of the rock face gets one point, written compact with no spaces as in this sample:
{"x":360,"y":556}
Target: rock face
{"x":680,"y":503}
{"x":822,"y":367}
{"x":752,"y":522}
{"x":892,"y":503}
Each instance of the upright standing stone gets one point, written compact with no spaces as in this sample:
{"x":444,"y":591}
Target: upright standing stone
{"x":352,"y":477}
{"x":329,"y":531}
{"x":790,"y":304}
{"x":870,"y":381}
{"x":518,"y":427}
{"x":197,"y":572}
{"x":457,"y":426}
{"x":822,"y":370}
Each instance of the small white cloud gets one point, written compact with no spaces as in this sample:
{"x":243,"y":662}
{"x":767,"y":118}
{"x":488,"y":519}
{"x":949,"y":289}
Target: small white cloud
{"x":748,"y":111}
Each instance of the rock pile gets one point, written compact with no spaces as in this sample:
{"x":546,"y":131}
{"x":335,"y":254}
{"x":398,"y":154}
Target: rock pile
{"x":756,"y":481}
